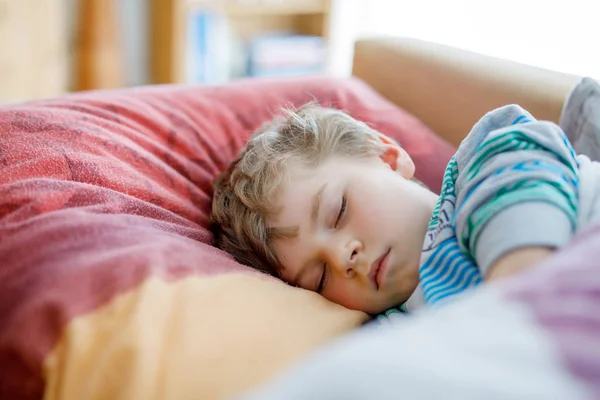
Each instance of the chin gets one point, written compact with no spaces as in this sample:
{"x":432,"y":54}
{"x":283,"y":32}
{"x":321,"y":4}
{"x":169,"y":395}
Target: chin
{"x":380,"y":307}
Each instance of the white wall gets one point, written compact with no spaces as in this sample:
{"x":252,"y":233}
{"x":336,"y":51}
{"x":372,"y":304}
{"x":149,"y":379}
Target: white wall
{"x":345,"y":26}
{"x":559,"y":35}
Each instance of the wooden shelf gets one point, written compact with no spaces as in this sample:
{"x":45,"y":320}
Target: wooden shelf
{"x":98,"y":56}
{"x":237,"y":9}
{"x":168,"y":26}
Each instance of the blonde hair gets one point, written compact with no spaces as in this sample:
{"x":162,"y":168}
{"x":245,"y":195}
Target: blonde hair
{"x":244,"y":194}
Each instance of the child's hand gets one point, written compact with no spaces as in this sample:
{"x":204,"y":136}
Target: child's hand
{"x":517,"y":261}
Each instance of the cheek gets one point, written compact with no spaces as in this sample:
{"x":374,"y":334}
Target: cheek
{"x":376,"y":209}
{"x":348,"y":295}
{"x":290,"y":252}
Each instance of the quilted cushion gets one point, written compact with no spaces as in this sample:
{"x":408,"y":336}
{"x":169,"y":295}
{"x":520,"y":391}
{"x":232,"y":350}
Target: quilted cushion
{"x":109,"y":284}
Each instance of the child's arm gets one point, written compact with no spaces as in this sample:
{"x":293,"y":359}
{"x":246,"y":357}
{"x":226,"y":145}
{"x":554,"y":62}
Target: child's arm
{"x":517,"y":261}
{"x":517,"y":191}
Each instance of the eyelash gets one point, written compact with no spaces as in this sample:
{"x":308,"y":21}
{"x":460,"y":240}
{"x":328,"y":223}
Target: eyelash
{"x":342,"y":211}
{"x":323,"y":280}
{"x":324,"y":275}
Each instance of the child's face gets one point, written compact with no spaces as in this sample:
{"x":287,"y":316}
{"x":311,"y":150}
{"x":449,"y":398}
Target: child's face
{"x":351,"y":214}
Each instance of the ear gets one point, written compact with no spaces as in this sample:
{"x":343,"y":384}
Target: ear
{"x":397,"y":158}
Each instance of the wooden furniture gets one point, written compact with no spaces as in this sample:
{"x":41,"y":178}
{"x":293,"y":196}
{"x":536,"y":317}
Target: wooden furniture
{"x":34,"y":59}
{"x":99,"y":58}
{"x":450,"y":89}
{"x":168,"y":26}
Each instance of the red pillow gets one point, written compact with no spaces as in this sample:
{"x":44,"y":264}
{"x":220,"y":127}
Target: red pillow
{"x":101,"y":190}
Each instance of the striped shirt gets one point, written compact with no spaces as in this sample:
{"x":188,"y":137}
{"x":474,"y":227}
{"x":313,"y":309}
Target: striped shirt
{"x":514,"y":182}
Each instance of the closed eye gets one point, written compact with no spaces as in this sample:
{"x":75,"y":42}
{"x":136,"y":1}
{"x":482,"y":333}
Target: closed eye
{"x":342,"y":211}
{"x":323,"y":280}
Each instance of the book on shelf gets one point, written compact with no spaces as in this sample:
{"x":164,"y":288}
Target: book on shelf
{"x":285,"y":55}
{"x":215,"y":55}
{"x":209,"y":45}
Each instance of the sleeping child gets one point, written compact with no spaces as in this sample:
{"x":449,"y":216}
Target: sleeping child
{"x":328,"y":204}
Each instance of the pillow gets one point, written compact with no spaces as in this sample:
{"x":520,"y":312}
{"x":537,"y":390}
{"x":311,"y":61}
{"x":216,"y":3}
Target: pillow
{"x":109,"y":284}
{"x":534,"y":336}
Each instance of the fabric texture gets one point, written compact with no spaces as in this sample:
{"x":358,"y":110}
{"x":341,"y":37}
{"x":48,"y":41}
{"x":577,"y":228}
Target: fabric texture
{"x":109,"y":284}
{"x":580,"y":118}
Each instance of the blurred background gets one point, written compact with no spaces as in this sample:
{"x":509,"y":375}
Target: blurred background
{"x":51,"y":47}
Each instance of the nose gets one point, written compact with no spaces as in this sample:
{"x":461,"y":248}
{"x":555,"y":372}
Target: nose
{"x":344,"y":256}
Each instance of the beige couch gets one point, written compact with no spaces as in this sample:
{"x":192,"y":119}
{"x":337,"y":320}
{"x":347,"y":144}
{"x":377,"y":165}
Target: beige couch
{"x":450,"y":89}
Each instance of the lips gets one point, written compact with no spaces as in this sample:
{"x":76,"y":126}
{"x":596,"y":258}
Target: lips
{"x":377,"y":271}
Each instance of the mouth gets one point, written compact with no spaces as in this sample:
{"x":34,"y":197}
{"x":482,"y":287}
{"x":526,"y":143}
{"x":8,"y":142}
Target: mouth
{"x":378,"y":269}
